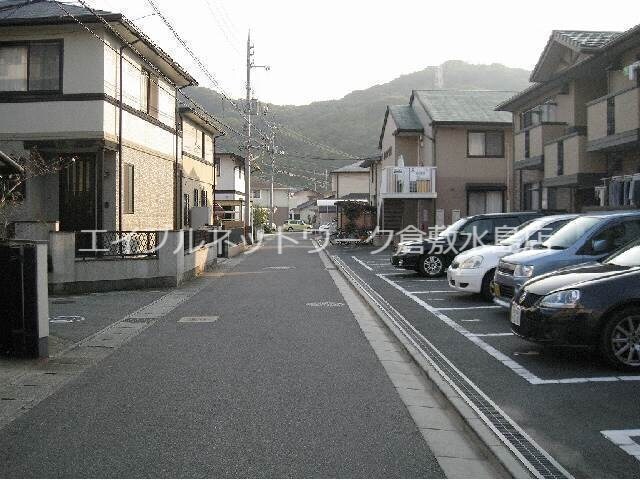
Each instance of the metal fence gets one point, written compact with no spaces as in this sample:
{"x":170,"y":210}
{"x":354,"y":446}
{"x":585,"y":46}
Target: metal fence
{"x":101,"y":244}
{"x":194,"y":239}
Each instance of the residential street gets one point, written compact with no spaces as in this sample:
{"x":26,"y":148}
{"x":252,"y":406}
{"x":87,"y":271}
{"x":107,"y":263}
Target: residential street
{"x":271,"y":388}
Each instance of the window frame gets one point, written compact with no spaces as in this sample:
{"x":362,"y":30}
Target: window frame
{"x":28,"y":43}
{"x":129,"y":189}
{"x":470,"y":132}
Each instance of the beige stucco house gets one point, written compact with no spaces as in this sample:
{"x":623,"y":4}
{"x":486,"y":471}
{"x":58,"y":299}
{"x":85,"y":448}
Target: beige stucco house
{"x":351,"y":182}
{"x":576,"y":128}
{"x":444,"y":155}
{"x":230,"y":184}
{"x":282,"y":199}
{"x":65,"y":92}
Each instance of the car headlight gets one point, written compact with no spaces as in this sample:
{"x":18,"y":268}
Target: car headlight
{"x":523,"y":271}
{"x":410,"y":249}
{"x":472,"y":262}
{"x":563,"y":299}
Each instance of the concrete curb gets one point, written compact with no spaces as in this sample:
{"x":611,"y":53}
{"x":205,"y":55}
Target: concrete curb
{"x":495,"y":448}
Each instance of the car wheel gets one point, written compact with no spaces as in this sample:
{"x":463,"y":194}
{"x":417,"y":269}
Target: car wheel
{"x":431,"y":266}
{"x":290,"y":229}
{"x":620,"y":339}
{"x":485,"y":291}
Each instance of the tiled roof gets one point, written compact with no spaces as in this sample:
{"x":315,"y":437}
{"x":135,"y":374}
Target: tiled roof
{"x":585,"y":39}
{"x":21,"y":9}
{"x":355,"y":196}
{"x":353,"y":168}
{"x":464,"y":106}
{"x":405,"y":118}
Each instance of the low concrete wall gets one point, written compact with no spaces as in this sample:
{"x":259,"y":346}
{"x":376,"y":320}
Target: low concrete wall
{"x":171,"y":267}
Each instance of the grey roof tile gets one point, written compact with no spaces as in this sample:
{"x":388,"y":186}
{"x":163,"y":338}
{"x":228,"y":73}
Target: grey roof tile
{"x":353,"y":168}
{"x":465,"y":106}
{"x":586,"y":39}
{"x":405,"y":118}
{"x":21,"y":9}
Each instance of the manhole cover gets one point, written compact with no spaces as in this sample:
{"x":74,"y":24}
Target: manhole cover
{"x":66,"y":319}
{"x":198,"y":319}
{"x":325,"y":304}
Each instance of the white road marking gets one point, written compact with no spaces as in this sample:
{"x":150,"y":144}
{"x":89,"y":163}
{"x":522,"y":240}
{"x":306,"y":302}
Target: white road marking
{"x":494,"y":334}
{"x":482,"y":307}
{"x":198,"y":319}
{"x":495,"y":353}
{"x":473,"y":320}
{"x":432,"y":291}
{"x":363,"y":264}
{"x":625,"y":440}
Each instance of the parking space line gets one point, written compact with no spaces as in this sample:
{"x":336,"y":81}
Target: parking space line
{"x":362,"y":263}
{"x":624,"y":439}
{"x":506,"y":334}
{"x":432,"y":291}
{"x":494,"y":352}
{"x":482,"y":307}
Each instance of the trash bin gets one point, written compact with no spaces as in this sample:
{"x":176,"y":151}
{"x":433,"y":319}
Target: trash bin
{"x":24,"y":318}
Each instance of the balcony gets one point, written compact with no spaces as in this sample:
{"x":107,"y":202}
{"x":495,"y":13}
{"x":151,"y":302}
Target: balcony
{"x":529,"y":144}
{"x":613,"y":121}
{"x":408,"y":182}
{"x":568,"y":163}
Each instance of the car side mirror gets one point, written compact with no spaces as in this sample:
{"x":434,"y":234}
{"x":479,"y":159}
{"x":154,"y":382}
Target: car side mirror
{"x":599,"y":246}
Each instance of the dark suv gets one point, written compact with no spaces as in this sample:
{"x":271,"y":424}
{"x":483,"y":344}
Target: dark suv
{"x":432,"y":256}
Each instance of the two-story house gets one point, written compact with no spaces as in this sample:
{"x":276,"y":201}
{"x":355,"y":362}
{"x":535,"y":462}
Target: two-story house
{"x":445,"y":155}
{"x":87,"y":95}
{"x":230,"y":184}
{"x":351,"y":182}
{"x":576,"y":127}
{"x":282,"y":204}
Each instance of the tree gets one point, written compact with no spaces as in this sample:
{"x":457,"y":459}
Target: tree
{"x":15,"y":171}
{"x":261,"y":218}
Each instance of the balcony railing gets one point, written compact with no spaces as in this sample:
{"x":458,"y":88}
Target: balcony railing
{"x":408,"y":182}
{"x":613,"y":121}
{"x":529,"y":144}
{"x":110,"y":244}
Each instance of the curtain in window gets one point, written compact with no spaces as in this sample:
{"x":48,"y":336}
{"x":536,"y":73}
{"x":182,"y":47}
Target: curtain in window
{"x":13,"y":69}
{"x":476,"y":144}
{"x":44,"y":66}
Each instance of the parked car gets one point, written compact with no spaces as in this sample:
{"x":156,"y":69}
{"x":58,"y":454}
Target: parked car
{"x":432,"y":256}
{"x":593,"y":305}
{"x":328,"y":227}
{"x":586,"y":239}
{"x":295,"y":226}
{"x":473,"y":270}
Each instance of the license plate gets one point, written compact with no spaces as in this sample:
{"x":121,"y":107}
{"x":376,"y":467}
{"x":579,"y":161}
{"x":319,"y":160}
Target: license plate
{"x":516,"y":315}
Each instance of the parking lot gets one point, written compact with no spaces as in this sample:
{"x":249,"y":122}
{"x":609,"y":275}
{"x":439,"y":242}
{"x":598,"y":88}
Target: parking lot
{"x":585,"y":414}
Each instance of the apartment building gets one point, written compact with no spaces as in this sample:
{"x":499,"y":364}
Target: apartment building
{"x":64,"y":92}
{"x":576,"y":128}
{"x":444,"y":155}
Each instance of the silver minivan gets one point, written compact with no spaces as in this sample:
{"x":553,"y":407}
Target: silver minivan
{"x":586,"y":239}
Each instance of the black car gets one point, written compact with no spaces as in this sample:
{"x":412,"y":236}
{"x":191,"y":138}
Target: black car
{"x":597,"y":304}
{"x":431,"y":257}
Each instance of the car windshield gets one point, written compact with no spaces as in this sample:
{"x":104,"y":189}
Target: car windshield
{"x":628,"y":257}
{"x":570,"y":233}
{"x":453,"y":228}
{"x":522,"y":232}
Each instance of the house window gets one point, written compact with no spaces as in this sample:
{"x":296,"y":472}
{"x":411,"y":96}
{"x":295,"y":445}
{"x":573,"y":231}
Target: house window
{"x":560,"y":158}
{"x":527,"y":144}
{"x":31,"y":67}
{"x":196,"y":197}
{"x":488,"y":143}
{"x":257,"y":194}
{"x":611,"y":116}
{"x":204,"y":146}
{"x":216,"y":166}
{"x":204,"y":200}
{"x":129,"y":190}
{"x":185,"y":213}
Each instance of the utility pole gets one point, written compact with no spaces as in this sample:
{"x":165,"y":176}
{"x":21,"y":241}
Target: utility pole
{"x":272,"y":149}
{"x":248,"y":146}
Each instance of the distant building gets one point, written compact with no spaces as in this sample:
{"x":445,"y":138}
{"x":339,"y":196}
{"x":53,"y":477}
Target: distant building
{"x":230,"y":184}
{"x":350,"y":180}
{"x":261,"y":194}
{"x":445,"y":155}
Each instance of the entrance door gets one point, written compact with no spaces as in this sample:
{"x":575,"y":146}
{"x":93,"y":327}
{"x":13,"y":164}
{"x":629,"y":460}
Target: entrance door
{"x":78,"y":196}
{"x":485,"y":202}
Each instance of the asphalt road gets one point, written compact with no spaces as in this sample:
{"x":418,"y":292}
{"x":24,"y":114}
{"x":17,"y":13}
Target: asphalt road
{"x":564,"y":398}
{"x":271,"y":387}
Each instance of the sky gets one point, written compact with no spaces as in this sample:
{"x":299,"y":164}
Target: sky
{"x":322,"y":50}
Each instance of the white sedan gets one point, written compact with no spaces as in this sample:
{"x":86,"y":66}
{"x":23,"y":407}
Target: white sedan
{"x":473,"y":270}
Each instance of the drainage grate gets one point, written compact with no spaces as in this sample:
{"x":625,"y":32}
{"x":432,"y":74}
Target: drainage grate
{"x":538,"y":461}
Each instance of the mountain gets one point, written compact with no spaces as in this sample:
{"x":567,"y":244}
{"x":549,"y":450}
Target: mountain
{"x":352,"y":124}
